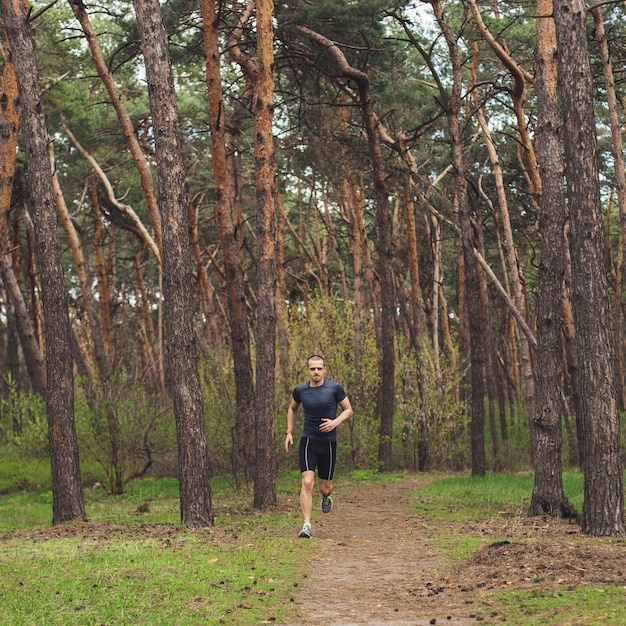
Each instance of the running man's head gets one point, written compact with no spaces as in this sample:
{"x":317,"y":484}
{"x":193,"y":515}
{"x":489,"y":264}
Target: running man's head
{"x":316,"y":366}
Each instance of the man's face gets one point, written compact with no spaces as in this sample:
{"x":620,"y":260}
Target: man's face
{"x":316,"y":371}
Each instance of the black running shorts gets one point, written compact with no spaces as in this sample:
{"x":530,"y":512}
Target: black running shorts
{"x":320,"y":455}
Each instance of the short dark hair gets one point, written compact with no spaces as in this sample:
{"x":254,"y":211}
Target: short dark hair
{"x":316,"y":357}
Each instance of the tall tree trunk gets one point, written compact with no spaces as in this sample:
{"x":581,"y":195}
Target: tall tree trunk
{"x":265,"y":476}
{"x":230,"y":230}
{"x":548,"y":496}
{"x":510,"y":253}
{"x":182,"y":354}
{"x":67,"y":495}
{"x":9,"y":127}
{"x":490,"y":342}
{"x":603,"y":507}
{"x":470,"y":274}
{"x":620,"y":184}
{"x":386,"y":398}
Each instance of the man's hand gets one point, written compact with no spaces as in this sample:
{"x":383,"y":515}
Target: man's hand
{"x":288,"y":442}
{"x":327,"y":425}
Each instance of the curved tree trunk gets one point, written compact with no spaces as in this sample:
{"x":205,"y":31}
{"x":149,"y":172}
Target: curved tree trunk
{"x":510,"y":253}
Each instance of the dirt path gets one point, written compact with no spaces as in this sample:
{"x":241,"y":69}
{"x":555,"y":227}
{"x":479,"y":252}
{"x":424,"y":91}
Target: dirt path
{"x":376,"y":565}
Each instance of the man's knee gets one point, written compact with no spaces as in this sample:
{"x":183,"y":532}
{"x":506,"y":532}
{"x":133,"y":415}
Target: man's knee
{"x":308,"y":479}
{"x":325,"y":486}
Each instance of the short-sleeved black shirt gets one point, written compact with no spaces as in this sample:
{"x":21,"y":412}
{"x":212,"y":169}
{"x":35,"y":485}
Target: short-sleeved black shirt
{"x":319,"y":402}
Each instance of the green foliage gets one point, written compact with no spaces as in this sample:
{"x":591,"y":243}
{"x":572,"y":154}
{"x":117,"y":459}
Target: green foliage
{"x":22,"y":472}
{"x":220,"y":409}
{"x":24,"y":463}
{"x":514,"y":454}
{"x":431,"y":419}
{"x":122,"y":431}
{"x":23,"y":421}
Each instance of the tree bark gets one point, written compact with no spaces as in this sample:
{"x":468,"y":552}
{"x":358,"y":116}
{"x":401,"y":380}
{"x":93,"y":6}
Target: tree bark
{"x":603,"y":507}
{"x":182,"y":355}
{"x":9,"y":128}
{"x":265,"y":470}
{"x":67,"y":495}
{"x":470,"y":274}
{"x":548,"y":497}
{"x":230,"y":230}
{"x":620,"y":185}
{"x":386,"y":402}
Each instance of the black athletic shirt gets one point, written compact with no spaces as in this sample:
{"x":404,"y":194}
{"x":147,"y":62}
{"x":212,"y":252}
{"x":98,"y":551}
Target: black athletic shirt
{"x":319,"y":402}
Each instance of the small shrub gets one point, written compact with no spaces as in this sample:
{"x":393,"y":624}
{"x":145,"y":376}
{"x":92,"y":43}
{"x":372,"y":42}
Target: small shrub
{"x":23,"y":420}
{"x":432,"y":429}
{"x":122,"y":431}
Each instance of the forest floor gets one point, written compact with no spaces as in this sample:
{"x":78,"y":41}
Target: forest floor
{"x":379,"y":563}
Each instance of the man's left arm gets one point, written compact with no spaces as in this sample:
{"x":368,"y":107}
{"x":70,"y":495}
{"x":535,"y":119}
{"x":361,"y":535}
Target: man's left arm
{"x":346,"y":413}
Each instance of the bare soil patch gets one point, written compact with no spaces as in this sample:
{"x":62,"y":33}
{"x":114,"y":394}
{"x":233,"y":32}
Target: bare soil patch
{"x":378,"y":563}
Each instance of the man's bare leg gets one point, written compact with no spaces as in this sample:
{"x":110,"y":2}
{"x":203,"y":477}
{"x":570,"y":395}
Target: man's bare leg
{"x":325,"y":486}
{"x":306,"y":495}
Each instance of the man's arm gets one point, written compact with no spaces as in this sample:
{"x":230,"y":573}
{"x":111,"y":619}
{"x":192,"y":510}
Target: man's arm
{"x":346,"y":413}
{"x":291,"y":422}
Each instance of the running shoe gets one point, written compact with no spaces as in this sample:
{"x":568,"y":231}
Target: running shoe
{"x":306,"y":532}
{"x":327,"y":503}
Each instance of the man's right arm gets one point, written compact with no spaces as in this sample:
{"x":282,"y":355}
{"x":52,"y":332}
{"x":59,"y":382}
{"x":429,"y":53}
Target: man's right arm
{"x":291,"y":422}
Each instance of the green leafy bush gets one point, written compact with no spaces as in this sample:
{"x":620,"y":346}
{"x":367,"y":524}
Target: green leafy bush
{"x":123,"y":431}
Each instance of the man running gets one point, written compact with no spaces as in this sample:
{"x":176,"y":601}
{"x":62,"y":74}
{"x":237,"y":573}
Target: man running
{"x":318,"y":445}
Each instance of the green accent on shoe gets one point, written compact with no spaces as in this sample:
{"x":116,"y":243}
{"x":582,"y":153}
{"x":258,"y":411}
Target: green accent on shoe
{"x":306,"y":532}
{"x":327,"y":503}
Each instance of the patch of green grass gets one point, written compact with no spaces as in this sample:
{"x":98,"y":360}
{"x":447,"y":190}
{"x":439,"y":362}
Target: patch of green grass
{"x":143,"y":567}
{"x":458,"y":498}
{"x":467,"y":497}
{"x":372,"y":476}
{"x":18,"y":474}
{"x":597,"y":604}
{"x":179,"y":577}
{"x":461,"y":548}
